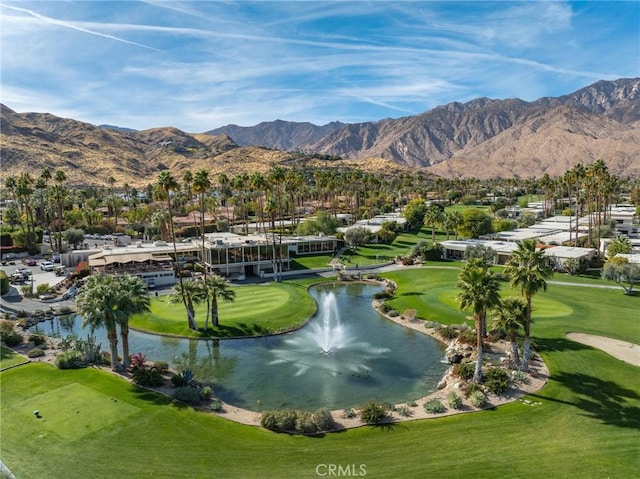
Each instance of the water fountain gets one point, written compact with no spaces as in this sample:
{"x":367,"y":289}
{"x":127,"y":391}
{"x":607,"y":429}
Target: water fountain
{"x":328,"y":344}
{"x":346,"y":355}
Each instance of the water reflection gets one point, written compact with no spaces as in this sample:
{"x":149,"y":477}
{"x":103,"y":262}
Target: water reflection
{"x":345,"y":356}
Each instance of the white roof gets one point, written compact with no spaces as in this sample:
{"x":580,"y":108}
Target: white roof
{"x":498,"y":246}
{"x":632,"y":257}
{"x":569,"y":252}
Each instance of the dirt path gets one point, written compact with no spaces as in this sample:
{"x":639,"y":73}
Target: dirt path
{"x":622,"y":350}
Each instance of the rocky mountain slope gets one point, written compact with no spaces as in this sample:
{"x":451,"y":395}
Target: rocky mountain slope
{"x":483,"y":138}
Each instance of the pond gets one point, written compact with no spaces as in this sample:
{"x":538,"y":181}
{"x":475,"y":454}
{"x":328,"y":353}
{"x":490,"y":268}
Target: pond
{"x":346,"y":355}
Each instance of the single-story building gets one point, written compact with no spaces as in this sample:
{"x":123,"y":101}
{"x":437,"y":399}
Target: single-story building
{"x":455,"y":249}
{"x":560,"y":254}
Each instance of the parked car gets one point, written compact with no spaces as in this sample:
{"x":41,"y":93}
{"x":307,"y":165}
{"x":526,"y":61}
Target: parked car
{"x":47,"y":266}
{"x":24,"y":271}
{"x":55,"y":258}
{"x":29,"y":261}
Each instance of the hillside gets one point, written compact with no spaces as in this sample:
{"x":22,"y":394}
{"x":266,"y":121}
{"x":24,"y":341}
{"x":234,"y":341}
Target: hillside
{"x":482,"y":138}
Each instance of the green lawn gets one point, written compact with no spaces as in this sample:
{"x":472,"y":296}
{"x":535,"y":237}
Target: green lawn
{"x":257,"y":309}
{"x":584,"y":423}
{"x":311,"y":262}
{"x":9,"y":358}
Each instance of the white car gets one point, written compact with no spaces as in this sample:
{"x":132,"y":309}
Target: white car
{"x":47,"y":266}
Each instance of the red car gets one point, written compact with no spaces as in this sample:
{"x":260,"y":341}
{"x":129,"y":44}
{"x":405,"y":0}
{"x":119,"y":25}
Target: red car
{"x":30,"y":262}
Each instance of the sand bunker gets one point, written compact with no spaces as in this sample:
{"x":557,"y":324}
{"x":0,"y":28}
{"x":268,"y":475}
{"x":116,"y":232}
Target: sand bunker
{"x":622,"y":350}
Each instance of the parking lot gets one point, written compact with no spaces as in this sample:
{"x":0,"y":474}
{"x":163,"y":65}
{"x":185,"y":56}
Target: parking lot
{"x":38,"y":276}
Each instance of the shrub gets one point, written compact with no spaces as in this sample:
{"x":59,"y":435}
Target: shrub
{"x":90,"y":350}
{"x":394,"y":313}
{"x":286,"y":420}
{"x":349,"y":413}
{"x":216,"y":405}
{"x":35,"y":353}
{"x":65,"y":310}
{"x":477,"y":399}
{"x":432,"y":325}
{"x":138,"y":361}
{"x":448,"y":332}
{"x":206,"y":393}
{"x":304,"y":423}
{"x":519,"y":377}
{"x":404,"y":411}
{"x":454,"y":400}
{"x":268,"y":420}
{"x":5,"y":285}
{"x":467,"y":336}
{"x":412,"y":404}
{"x":148,"y":377}
{"x":70,"y":360}
{"x":496,"y":380}
{"x":323,"y":420}
{"x":385,"y":308}
{"x":37,"y":339}
{"x":382,"y":295}
{"x":161,"y":366}
{"x":434,"y":406}
{"x":372,"y":412}
{"x":464,"y":370}
{"x":8,"y":333}
{"x":185,"y":394}
{"x":472,"y":388}
{"x":410,"y":314}
{"x":184,"y":378}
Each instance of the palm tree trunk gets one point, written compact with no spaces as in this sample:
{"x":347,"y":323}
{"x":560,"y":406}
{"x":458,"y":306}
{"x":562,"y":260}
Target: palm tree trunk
{"x":124,"y":335}
{"x":526,"y":346}
{"x":214,"y":311}
{"x":112,"y":336}
{"x":477,"y":375}
{"x":515,"y":356}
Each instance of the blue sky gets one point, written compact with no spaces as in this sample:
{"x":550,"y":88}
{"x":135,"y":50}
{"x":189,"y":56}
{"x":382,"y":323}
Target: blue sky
{"x":201,"y":65}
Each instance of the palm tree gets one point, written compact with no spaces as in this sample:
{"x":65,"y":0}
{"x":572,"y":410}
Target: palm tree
{"x":509,"y":316}
{"x":434,"y":216}
{"x":478,"y":292}
{"x":217,"y":287}
{"x":110,"y":301}
{"x":165,"y":185}
{"x":189,"y":293}
{"x":529,"y":270}
{"x":137,"y":303}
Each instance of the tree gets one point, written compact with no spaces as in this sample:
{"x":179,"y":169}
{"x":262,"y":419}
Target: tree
{"x":414,"y":213}
{"x":138,"y":303}
{"x":622,"y":271}
{"x":74,"y":236}
{"x":451,"y":222}
{"x":109,"y":301}
{"x":509,"y":317}
{"x":478,"y":292}
{"x":357,"y":236}
{"x":323,"y":222}
{"x":617,"y":245}
{"x":528,"y":269}
{"x":189,"y":293}
{"x":217,"y":288}
{"x":480,"y":251}
{"x":165,"y":185}
{"x":475,"y":222}
{"x":434,"y":216}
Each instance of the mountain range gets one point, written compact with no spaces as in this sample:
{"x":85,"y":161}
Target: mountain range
{"x":482,"y":138}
